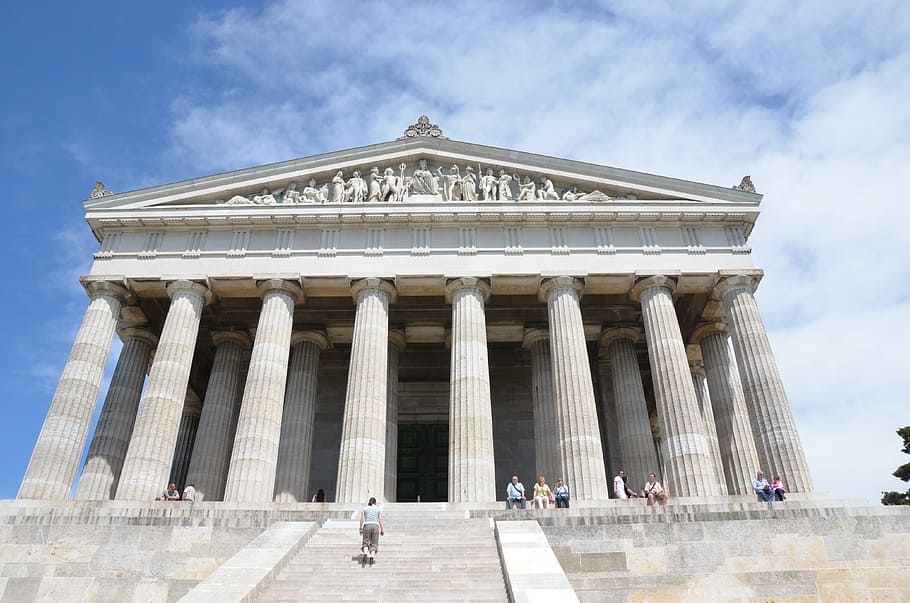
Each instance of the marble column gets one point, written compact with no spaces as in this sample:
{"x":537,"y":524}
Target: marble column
{"x":396,"y":344}
{"x":209,"y":463}
{"x":639,"y":456}
{"x":254,"y":457}
{"x":293,"y":476}
{"x":686,"y":453}
{"x":361,"y":465}
{"x":580,"y":448}
{"x":147,"y":465}
{"x":472,"y":472}
{"x":705,"y":405}
{"x":777,"y":441}
{"x":52,"y":468}
{"x":186,"y":438}
{"x":546,"y":429}
{"x":101,"y":472}
{"x":734,"y":430}
{"x":608,"y":403}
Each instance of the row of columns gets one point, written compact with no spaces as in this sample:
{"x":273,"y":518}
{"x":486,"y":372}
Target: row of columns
{"x":266,"y":455}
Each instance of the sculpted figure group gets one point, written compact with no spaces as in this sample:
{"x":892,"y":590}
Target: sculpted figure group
{"x":390,"y":186}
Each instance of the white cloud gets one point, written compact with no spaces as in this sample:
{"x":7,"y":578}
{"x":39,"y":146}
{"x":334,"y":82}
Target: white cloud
{"x":810,"y":99}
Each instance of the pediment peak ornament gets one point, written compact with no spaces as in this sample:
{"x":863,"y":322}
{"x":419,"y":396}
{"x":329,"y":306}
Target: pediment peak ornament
{"x":423,"y":127}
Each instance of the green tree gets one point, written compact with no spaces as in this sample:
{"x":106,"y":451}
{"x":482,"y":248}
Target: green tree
{"x":902,"y":473}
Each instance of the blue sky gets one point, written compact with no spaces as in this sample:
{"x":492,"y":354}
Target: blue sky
{"x":811,"y":100}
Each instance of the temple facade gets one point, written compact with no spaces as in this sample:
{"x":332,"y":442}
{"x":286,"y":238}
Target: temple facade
{"x":419,"y":319}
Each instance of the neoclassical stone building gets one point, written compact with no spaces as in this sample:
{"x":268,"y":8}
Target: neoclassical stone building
{"x":419,"y":320}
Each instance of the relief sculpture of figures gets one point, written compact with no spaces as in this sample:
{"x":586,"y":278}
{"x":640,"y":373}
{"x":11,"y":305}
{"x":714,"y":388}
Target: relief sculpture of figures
{"x":423,"y":182}
{"x":311,"y":194}
{"x":356,"y":189}
{"x":526,"y":189}
{"x":546,"y":192}
{"x":338,"y":188}
{"x":375,"y":185}
{"x":292,"y":195}
{"x":505,"y":188}
{"x":469,"y":185}
{"x":390,"y":186}
{"x":451,"y":189}
{"x":571,"y":194}
{"x":488,"y":185}
{"x":264,"y":198}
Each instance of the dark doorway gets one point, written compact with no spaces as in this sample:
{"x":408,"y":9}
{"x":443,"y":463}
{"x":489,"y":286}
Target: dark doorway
{"x":423,"y":462}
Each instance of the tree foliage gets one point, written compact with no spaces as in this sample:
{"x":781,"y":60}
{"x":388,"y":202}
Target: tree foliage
{"x":902,"y":473}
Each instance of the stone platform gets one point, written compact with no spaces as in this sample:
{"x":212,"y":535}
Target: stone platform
{"x":809,"y":549}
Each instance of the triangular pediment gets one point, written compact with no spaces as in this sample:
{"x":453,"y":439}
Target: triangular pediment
{"x":425,"y":170}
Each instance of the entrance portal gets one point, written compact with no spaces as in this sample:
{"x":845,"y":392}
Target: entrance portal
{"x":423,"y":462}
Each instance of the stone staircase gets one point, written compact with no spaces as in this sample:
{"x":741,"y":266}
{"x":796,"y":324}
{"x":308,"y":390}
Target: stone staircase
{"x":428,"y":553}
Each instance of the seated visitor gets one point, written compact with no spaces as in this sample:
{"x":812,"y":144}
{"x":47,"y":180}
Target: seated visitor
{"x":562,"y":495}
{"x":542,"y":494}
{"x":762,"y":487}
{"x":778,"y":487}
{"x":170,"y":493}
{"x":654,"y":491}
{"x":189,"y":493}
{"x":319,"y":496}
{"x":515,"y":494}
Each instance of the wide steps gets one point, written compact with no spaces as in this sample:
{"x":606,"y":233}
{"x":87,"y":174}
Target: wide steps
{"x":421,"y":557}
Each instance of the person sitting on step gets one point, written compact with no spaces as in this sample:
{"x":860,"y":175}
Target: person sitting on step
{"x":762,"y":487}
{"x":654,"y":491}
{"x":562,"y":495}
{"x":778,"y":487}
{"x":542,"y":494}
{"x":515,"y":494}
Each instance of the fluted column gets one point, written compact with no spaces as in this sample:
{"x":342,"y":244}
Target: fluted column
{"x":734,"y":430}
{"x":639,"y":456}
{"x":361,"y":465}
{"x":293,"y":476}
{"x":148,"y":458}
{"x":705,"y":405}
{"x":613,"y":462}
{"x":580,"y":448}
{"x":186,"y":438}
{"x":101,"y":472}
{"x":396,"y":344}
{"x":209,"y":462}
{"x":472,"y":473}
{"x":546,"y":429}
{"x":52,"y":468}
{"x":254,"y":457}
{"x":776,"y":438}
{"x":688,"y":467}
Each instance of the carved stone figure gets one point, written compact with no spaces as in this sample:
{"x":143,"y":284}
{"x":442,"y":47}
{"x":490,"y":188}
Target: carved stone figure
{"x":338,"y":188}
{"x":238,"y":200}
{"x":292,"y":195}
{"x":422,"y":181}
{"x":504,"y":192}
{"x":264,"y":198}
{"x":390,"y":186}
{"x":745,"y":185}
{"x":451,"y":190}
{"x":488,"y":185}
{"x":423,"y":127}
{"x":547,"y":191}
{"x":356,"y":189}
{"x":100,"y":190}
{"x":526,"y":189}
{"x":375,"y":185}
{"x":597,"y":196}
{"x":571,"y":194}
{"x":311,"y":194}
{"x":469,"y":185}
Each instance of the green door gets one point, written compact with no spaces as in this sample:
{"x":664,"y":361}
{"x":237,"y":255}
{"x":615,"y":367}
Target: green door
{"x":423,"y":462}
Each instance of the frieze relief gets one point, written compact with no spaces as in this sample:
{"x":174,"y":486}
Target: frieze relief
{"x":422,"y":182}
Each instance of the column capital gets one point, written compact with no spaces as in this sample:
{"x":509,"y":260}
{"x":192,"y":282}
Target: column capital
{"x":174,"y":287}
{"x":454,"y":285}
{"x":614,"y":333}
{"x":238,"y":337}
{"x":373,"y":283}
{"x":735,"y":282}
{"x":114,"y":286}
{"x":137,"y":332}
{"x":704,"y":329}
{"x":550,"y":284}
{"x":397,"y":338}
{"x":645,"y":283}
{"x":266,"y":285}
{"x":532,"y":336}
{"x":317,"y":337}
